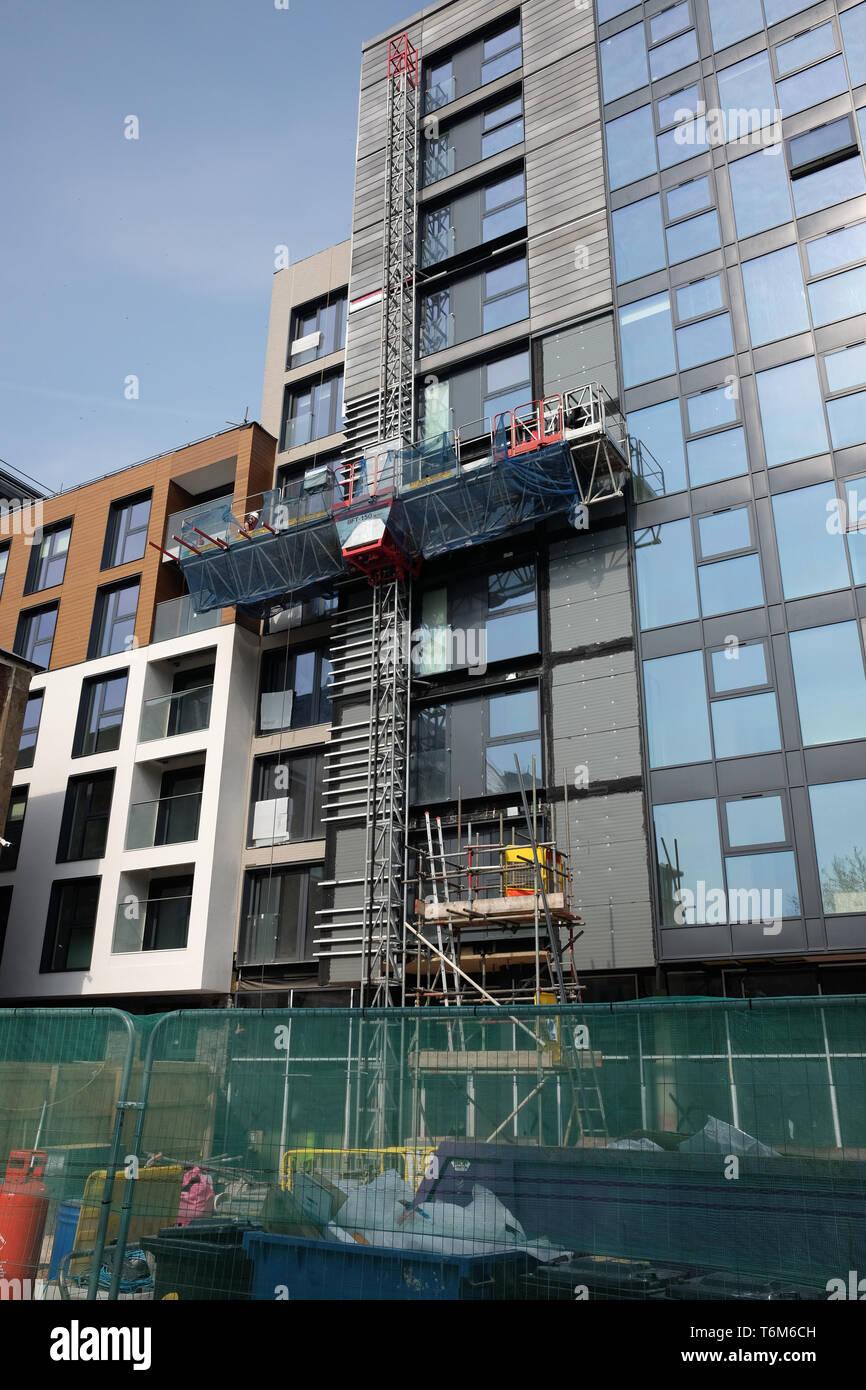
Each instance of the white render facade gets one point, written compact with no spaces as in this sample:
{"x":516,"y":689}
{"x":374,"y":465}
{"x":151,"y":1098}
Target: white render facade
{"x":122,"y":964}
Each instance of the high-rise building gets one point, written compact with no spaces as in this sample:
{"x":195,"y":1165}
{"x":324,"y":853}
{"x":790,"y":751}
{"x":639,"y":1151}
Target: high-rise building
{"x":560,"y":539}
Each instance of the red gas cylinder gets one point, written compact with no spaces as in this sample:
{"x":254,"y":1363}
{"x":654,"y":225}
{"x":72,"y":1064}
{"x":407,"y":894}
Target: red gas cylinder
{"x":23,"y":1209}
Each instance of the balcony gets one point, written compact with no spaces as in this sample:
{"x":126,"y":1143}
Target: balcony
{"x":171,"y":820}
{"x":214,"y":518}
{"x":151,"y":924}
{"x":177,"y":618}
{"x":185,"y":712}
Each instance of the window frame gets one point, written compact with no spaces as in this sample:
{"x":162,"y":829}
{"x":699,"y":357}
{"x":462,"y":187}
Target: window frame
{"x":14,"y":828}
{"x":50,"y":943}
{"x":307,"y":873}
{"x":757,"y":846}
{"x":117,"y":533}
{"x":335,"y":299}
{"x":313,"y":828}
{"x":74,"y":823}
{"x":321,"y":651}
{"x":26,"y":619}
{"x":33,"y":578}
{"x":721,"y":649}
{"x":102,"y":625}
{"x":21,"y":763}
{"x":296,"y":391}
{"x":89,"y":686}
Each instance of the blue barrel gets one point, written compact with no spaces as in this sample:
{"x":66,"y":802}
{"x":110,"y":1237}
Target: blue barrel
{"x":64,"y":1235}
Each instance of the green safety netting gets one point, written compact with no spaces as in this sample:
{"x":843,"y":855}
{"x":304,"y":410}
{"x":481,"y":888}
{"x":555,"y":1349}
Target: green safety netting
{"x":677,"y":1148}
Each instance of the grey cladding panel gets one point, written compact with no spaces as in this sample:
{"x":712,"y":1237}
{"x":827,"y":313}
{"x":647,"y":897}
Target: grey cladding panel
{"x":588,"y":565}
{"x":455,"y":22}
{"x":569,"y":274}
{"x":606,"y":756}
{"x":611,"y":883}
{"x":596,"y":705}
{"x":597,"y":620}
{"x":554,"y":28}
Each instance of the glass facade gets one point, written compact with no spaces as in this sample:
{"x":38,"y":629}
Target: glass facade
{"x":740,"y":289}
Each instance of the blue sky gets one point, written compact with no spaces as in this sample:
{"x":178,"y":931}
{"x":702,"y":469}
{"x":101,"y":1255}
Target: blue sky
{"x":154,"y":257}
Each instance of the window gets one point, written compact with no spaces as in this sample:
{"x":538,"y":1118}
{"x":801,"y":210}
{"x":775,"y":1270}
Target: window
{"x":688,"y":198}
{"x":792,"y":413}
{"x":667,"y":592}
{"x":174,"y":818}
{"x":826,"y":187}
{"x":812,"y":86}
{"x":481,"y":215}
{"x":704,"y":342}
{"x":739,"y":668}
{"x":693,"y":238}
{"x":114,"y":619}
{"x":468,"y":746}
{"x":710,"y":409}
{"x":815,"y":651}
{"x":777,"y":10}
{"x":825,"y":145}
{"x":732,"y":20}
{"x":676,"y":703}
{"x":772,"y":877}
{"x":126,"y":533}
{"x":5,"y":907}
{"x":837,"y":249}
{"x":466,"y":398}
{"x":317,"y":330}
{"x":84,"y":827}
{"x":683,"y":142}
{"x":34,"y":636}
{"x":477,"y":619}
{"x":278,"y":915}
{"x":30,"y":729}
{"x":659,"y":429}
{"x":71,"y":924}
{"x":775,"y":297}
{"x":501,"y":54}
{"x":688,"y":853}
{"x":811,"y":556}
{"x":846,"y":368}
{"x":722,"y":532}
{"x":746,"y":96}
{"x":638,"y":239}
{"x":631,"y":149}
{"x":294,"y":690}
{"x":14,"y":828}
{"x":745,"y":724}
{"x":854,"y":39}
{"x":502,"y":128}
{"x":313,"y":411}
{"x":647,"y":340}
{"x":728,"y":586}
{"x":100,"y":715}
{"x":670,"y":21}
{"x":847,"y":418}
{"x":672,"y":56}
{"x":838,"y":821}
{"x":755,"y":820}
{"x":855,"y":502}
{"x":675,"y":109}
{"x":47,"y":564}
{"x":759,"y":188}
{"x":623,"y":63}
{"x":505,"y":296}
{"x":700,"y":297}
{"x":838,"y":297}
{"x":717,"y":456}
{"x":4,"y":561}
{"x":160,"y":922}
{"x":286,"y":801}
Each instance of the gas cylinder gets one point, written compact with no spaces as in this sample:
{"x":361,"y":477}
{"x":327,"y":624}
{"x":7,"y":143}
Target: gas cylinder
{"x":23,"y":1209}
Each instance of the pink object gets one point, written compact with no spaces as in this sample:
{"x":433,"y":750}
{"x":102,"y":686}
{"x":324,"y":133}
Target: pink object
{"x":196,"y":1196}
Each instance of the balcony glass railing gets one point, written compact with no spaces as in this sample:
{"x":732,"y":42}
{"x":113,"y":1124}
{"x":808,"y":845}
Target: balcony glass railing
{"x":171,"y":820}
{"x":177,"y":618}
{"x":151,"y":924}
{"x":185,"y":712}
{"x":210,"y":517}
{"x":440,"y":93}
